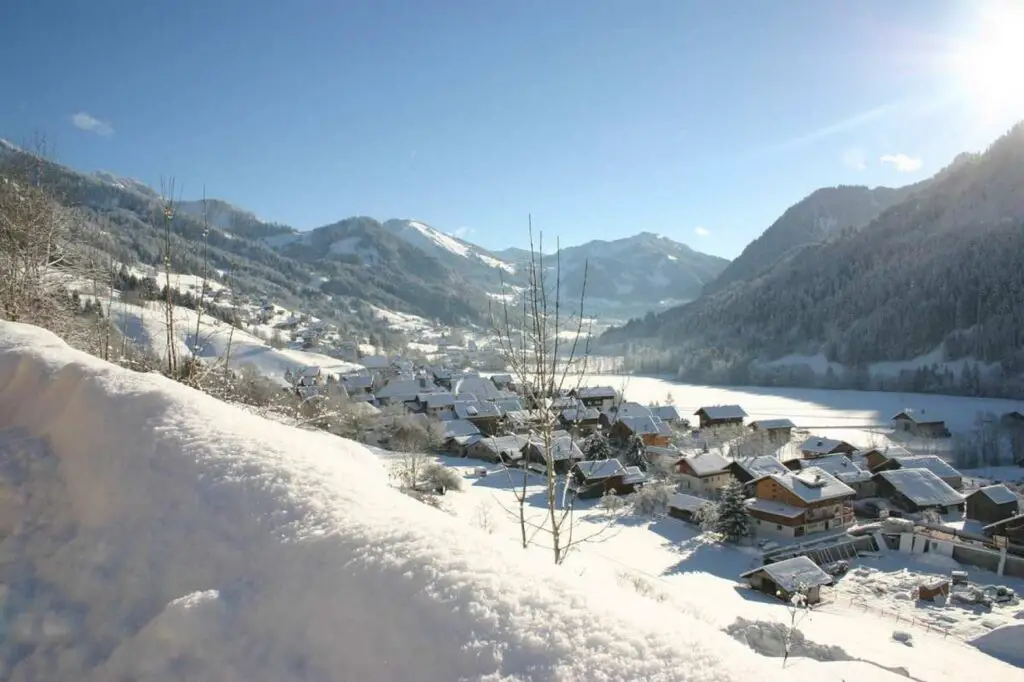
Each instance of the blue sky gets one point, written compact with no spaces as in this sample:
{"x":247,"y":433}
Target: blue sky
{"x":700,"y":121}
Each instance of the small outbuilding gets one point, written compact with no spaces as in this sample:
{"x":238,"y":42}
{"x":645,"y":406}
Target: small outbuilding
{"x":918,"y":423}
{"x":789,"y":577}
{"x":777,"y":430}
{"x":992,"y":503}
{"x":720,"y":415}
{"x":915,"y":490}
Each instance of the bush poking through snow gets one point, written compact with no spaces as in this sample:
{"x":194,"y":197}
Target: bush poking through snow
{"x":652,"y":500}
{"x":778,"y":640}
{"x":440,"y":477}
{"x":610,"y":502}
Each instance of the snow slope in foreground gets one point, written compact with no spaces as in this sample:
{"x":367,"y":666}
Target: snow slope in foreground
{"x":153,"y":532}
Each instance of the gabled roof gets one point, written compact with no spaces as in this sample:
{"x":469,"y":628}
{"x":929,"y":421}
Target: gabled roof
{"x":813,"y":484}
{"x":793,"y":574}
{"x":645,"y":425}
{"x":595,"y":392}
{"x":509,"y":404}
{"x":706,"y":463}
{"x":768,"y":424}
{"x":406,"y":388}
{"x":525,"y":416}
{"x":435,"y":400}
{"x":562,"y":448}
{"x":763,"y":465}
{"x":482,"y":389}
{"x":628,"y":409}
{"x":922,"y":487}
{"x":634,"y":475}
{"x":917,"y":416}
{"x":722,"y":412}
{"x":508,"y":445}
{"x":834,"y":464}
{"x":822,"y":446}
{"x":376,"y":361}
{"x":476,"y":409}
{"x":666,"y":413}
{"x":576,"y":414}
{"x":459,"y":427}
{"x":501,"y":379}
{"x":932,"y":463}
{"x":600,"y":468}
{"x":998,"y":494}
{"x":357,"y":380}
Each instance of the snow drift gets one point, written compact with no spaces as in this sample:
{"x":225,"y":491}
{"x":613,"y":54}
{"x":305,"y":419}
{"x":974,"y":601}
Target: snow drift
{"x":152,"y":532}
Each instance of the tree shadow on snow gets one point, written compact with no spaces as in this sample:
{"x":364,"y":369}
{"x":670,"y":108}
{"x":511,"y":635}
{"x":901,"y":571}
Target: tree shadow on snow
{"x":701,"y":554}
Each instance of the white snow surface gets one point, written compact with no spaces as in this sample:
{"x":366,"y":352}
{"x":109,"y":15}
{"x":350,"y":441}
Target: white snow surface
{"x":153,"y":532}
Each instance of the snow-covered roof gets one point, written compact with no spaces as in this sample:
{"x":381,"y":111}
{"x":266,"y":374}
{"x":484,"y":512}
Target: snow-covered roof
{"x":813,"y":484}
{"x":574,"y":414}
{"x":596,"y":392}
{"x":666,"y":413}
{"x":406,"y":389}
{"x":375,"y":361}
{"x":600,"y":468}
{"x":917,"y":416}
{"x":762,"y":465}
{"x":645,"y":425}
{"x":459,"y":427}
{"x":562,"y":448}
{"x":922,"y":487}
{"x":633,"y":475}
{"x":468,"y":440}
{"x":422,"y":583}
{"x":476,"y":409}
{"x":834,"y":464}
{"x":793,"y":575}
{"x":932,"y":463}
{"x":310,"y":371}
{"x":722,"y":412}
{"x":357,"y":380}
{"x":525,"y":416}
{"x":482,"y":389}
{"x":998,"y":494}
{"x":706,"y":463}
{"x":508,"y":445}
{"x":628,"y":409}
{"x":685,"y":502}
{"x":786,"y":511}
{"x":769,"y":424}
{"x":822,"y":446}
{"x":501,"y":379}
{"x":436,"y":400}
{"x":509,"y":404}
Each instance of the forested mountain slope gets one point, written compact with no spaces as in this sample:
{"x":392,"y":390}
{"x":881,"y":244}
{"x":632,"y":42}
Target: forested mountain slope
{"x":945,"y":266}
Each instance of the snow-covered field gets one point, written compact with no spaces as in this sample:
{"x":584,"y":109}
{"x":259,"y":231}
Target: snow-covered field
{"x":153,"y":532}
{"x":147,"y":328}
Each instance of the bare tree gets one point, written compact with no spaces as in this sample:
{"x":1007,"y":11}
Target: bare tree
{"x":168,"y":206}
{"x":797,"y":609}
{"x":542,"y":343}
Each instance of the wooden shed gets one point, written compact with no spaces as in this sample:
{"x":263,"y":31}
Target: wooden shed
{"x":786,"y":578}
{"x":992,"y":503}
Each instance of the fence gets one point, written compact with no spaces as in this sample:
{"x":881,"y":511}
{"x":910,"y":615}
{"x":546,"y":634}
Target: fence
{"x":912,"y":621}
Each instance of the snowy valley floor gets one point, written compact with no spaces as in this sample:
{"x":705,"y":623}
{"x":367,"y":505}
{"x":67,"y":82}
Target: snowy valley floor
{"x":148,"y":531}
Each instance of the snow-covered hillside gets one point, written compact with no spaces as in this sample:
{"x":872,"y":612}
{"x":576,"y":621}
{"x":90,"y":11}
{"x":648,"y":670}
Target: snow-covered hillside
{"x":153,"y":532}
{"x":442,"y":246}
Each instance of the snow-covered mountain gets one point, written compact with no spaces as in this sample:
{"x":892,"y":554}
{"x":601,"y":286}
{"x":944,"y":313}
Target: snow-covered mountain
{"x":445,"y":247}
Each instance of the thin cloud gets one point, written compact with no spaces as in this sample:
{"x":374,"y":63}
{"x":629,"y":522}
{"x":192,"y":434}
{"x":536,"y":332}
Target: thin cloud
{"x":845,"y":125}
{"x":83,"y":120}
{"x":701,"y":231}
{"x":902,"y":162}
{"x":463,"y":232}
{"x":855,"y":158}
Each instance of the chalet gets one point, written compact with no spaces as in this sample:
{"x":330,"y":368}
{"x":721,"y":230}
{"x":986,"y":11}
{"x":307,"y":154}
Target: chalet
{"x":581,"y":420}
{"x":686,"y":507}
{"x":663,"y":455}
{"x":503,"y":449}
{"x":932,"y":463}
{"x":564,"y":452}
{"x":486,"y":416}
{"x":624,"y":409}
{"x":777,"y":430}
{"x":720,"y":415}
{"x":915,"y":490}
{"x":358,"y":383}
{"x":404,"y":389}
{"x":459,"y":435}
{"x":992,"y":504}
{"x":601,"y":397}
{"x":704,"y":473}
{"x":442,"y":377}
{"x":869,"y":458}
{"x":599,"y":477}
{"x":375,"y":361}
{"x":651,"y":430}
{"x":1011,"y":528}
{"x":784,"y":579}
{"x":502,"y":381}
{"x":440,"y":405}
{"x":471,"y":386}
{"x":796,"y":504}
{"x":843,"y":468}
{"x":748,"y":469}
{"x":917,"y":423}
{"x":306,"y":376}
{"x":522,"y":421}
{"x":668,"y":414}
{"x":511,"y":404}
{"x":820,"y":447}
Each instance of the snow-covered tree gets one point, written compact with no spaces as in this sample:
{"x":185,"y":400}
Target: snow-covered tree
{"x":636,"y":453}
{"x":731,"y":519}
{"x":597,"y":447}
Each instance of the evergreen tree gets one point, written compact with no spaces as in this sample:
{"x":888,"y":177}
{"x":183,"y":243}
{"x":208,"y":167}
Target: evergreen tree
{"x":731,"y":519}
{"x":597,"y":447}
{"x":636,"y":453}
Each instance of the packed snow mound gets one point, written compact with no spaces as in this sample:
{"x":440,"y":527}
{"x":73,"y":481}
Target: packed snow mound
{"x":153,"y":532}
{"x":1005,"y":643}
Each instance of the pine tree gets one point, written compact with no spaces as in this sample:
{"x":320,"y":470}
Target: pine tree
{"x":731,"y":519}
{"x":636,"y":454}
{"x":597,"y":447}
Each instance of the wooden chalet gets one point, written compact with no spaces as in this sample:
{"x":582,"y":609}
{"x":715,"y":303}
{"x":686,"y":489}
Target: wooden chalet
{"x":749,"y":469}
{"x":704,"y":473}
{"x":498,"y":449}
{"x":915,"y":490}
{"x":777,"y":430}
{"x":797,"y":504}
{"x":843,"y":468}
{"x":651,"y":430}
{"x":601,"y":397}
{"x":720,"y":415}
{"x":485,"y":415}
{"x":992,"y":504}
{"x":580,"y":420}
{"x":784,"y":579}
{"x":599,"y":477}
{"x":932,"y":463}
{"x":918,"y":423}
{"x":564,"y":452}
{"x":822,"y":447}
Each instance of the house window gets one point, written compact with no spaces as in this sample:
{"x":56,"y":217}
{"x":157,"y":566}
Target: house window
{"x":778,"y":527}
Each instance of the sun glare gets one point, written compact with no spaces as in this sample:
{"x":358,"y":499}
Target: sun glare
{"x":989,"y":65}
